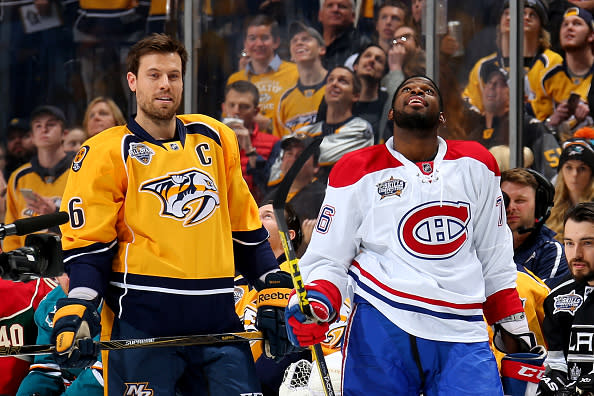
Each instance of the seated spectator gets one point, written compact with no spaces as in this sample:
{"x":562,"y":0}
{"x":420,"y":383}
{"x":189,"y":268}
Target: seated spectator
{"x":74,"y":139}
{"x":338,"y":29}
{"x":19,"y":302}
{"x":552,"y":102}
{"x":307,"y":192}
{"x":242,"y":106}
{"x":538,"y":58}
{"x":342,"y":131}
{"x":36,"y":187}
{"x":491,"y":127}
{"x":567,"y":325}
{"x":530,"y":202}
{"x":45,"y":377}
{"x":19,"y":147}
{"x":574,"y":183}
{"x":265,"y":69}
{"x":391,"y":15}
{"x":101,"y":113}
{"x":371,"y":66}
{"x":299,"y":105}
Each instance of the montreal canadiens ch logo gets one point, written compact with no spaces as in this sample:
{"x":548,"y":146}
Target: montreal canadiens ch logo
{"x":435,"y":230}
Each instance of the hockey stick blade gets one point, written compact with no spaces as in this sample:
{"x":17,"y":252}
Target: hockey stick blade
{"x":278,"y":204}
{"x":113,"y":345}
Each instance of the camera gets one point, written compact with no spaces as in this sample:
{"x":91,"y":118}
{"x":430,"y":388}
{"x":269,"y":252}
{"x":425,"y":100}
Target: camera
{"x":40,"y":257}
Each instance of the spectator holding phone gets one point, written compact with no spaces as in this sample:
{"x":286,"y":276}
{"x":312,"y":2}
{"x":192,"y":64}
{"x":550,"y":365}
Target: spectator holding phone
{"x":562,"y":101}
{"x":241,"y":106}
{"x":36,"y":187}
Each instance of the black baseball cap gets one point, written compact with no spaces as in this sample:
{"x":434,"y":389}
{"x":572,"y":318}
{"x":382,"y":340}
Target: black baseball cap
{"x":48,"y":109}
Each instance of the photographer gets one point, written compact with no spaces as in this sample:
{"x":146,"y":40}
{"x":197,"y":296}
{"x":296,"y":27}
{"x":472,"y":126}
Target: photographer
{"x":568,"y":325}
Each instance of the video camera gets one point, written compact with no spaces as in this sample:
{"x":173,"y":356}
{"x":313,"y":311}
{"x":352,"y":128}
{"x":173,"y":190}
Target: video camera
{"x":42,"y":254}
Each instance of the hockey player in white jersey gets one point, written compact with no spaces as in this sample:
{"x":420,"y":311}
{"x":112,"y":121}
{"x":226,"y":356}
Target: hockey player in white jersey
{"x":419,"y":226}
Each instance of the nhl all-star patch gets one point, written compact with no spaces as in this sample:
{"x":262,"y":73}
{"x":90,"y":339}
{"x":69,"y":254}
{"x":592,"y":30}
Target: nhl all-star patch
{"x":141,"y":152}
{"x":390,"y":187}
{"x":238,"y":293}
{"x":567,"y":303}
{"x":79,"y":157}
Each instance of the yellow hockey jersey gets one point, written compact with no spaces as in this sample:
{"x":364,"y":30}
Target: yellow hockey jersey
{"x":555,"y":87}
{"x":534,"y":69}
{"x":298,"y":107}
{"x":153,"y":224}
{"x":281,"y":75}
{"x":48,"y":183}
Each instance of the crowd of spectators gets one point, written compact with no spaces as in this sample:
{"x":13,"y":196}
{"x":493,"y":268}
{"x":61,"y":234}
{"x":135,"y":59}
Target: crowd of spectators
{"x":281,"y":73}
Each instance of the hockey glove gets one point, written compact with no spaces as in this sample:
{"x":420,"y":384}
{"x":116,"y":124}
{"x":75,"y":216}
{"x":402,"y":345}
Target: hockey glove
{"x":76,"y":322}
{"x":324,"y":299}
{"x":552,"y":383}
{"x":585,"y":385}
{"x":270,"y":316}
{"x":521,"y":372}
{"x":512,"y":335}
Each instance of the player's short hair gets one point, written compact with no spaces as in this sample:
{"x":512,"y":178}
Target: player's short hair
{"x":244,"y":86}
{"x":156,"y":42}
{"x":264,"y":20}
{"x":426,"y":78}
{"x":356,"y":81}
{"x":584,"y":211}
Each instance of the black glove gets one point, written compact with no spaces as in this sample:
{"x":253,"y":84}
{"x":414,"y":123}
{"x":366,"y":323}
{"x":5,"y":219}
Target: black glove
{"x":270,"y":318}
{"x":76,"y":322}
{"x":585,"y":385}
{"x":553,"y":382}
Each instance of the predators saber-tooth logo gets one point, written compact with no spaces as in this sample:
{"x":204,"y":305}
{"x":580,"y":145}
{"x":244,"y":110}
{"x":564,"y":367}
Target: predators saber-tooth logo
{"x":190,"y":195}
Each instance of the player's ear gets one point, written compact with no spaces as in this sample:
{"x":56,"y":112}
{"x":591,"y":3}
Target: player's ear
{"x":442,"y":119}
{"x":391,"y":114}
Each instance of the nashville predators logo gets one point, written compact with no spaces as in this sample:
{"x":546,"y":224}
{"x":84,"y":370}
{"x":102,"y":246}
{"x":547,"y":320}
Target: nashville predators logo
{"x":79,"y":157}
{"x":190,"y":195}
{"x":138,"y":389}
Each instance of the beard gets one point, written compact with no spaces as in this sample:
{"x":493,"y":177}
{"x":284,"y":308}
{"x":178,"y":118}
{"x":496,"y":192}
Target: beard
{"x":583,"y":277}
{"x":155,"y":113}
{"x":416,"y":120}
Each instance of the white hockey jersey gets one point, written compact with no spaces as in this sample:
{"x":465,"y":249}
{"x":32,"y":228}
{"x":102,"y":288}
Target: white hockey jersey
{"x":424,"y":243}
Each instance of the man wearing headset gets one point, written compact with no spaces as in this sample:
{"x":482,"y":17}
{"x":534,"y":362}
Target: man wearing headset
{"x":530,"y":201}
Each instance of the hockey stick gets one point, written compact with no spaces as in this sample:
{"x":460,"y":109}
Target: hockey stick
{"x":278,"y":205}
{"x":114,"y":345}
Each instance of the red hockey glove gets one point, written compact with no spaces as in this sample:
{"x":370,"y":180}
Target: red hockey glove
{"x":325,"y":301}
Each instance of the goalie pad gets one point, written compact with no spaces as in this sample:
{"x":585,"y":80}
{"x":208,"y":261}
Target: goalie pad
{"x":521,"y":372}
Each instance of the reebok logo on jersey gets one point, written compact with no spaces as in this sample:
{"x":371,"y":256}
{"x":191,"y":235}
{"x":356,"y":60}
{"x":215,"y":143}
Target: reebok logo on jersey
{"x":141,"y":152}
{"x":138,"y":389}
{"x":190,"y":196}
{"x":390,"y":187}
{"x":567,"y":303}
{"x":435,"y":230}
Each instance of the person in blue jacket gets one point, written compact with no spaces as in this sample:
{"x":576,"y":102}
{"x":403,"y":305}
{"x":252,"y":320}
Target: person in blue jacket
{"x":45,"y":377}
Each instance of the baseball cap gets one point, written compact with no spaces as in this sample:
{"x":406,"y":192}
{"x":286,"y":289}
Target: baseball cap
{"x":298,"y":27}
{"x":18,"y":124}
{"x":537,"y":5}
{"x":300,"y":140}
{"x":580,"y":12}
{"x":48,"y":109}
{"x":577,"y":149}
